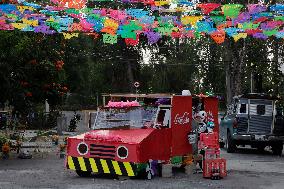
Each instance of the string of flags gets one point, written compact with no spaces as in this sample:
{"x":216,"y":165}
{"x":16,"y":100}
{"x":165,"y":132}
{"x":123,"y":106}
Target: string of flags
{"x":158,"y":19}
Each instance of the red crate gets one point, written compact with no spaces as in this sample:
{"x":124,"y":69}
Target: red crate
{"x":212,"y":153}
{"x":209,"y":140}
{"x":214,"y":168}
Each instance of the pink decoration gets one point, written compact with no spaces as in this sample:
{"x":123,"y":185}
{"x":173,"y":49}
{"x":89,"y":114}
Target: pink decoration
{"x":253,"y":31}
{"x":122,"y":104}
{"x":6,"y":26}
{"x":102,"y":137}
{"x":118,"y":15}
{"x":256,"y":8}
{"x":86,"y":26}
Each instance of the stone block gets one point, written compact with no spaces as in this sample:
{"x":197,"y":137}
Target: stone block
{"x":190,"y":169}
{"x":167,"y":170}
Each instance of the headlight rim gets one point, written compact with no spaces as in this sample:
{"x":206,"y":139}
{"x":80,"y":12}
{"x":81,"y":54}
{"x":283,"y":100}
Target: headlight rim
{"x":82,"y":154}
{"x":117,"y":152}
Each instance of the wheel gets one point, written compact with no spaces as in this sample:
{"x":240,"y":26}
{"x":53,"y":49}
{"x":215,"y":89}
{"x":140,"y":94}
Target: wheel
{"x":230,"y":145}
{"x":277,"y":148}
{"x":260,"y":148}
{"x":83,"y":173}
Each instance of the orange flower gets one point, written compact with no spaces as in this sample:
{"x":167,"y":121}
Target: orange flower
{"x":65,"y":89}
{"x":58,"y":64}
{"x":33,"y":62}
{"x":29,"y":94}
{"x":6,"y":148}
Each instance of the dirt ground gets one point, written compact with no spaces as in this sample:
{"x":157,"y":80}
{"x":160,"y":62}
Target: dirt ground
{"x":246,"y":169}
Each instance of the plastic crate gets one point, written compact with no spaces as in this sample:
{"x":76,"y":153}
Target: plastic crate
{"x":208,"y":140}
{"x":214,"y":168}
{"x":212,"y":153}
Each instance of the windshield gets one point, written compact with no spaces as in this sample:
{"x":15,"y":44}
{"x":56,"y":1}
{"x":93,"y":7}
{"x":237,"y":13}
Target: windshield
{"x":111,"y":118}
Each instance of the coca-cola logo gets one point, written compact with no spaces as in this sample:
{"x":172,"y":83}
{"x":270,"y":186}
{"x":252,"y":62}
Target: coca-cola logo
{"x":182,"y":119}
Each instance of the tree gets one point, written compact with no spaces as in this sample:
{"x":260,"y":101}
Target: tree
{"x":31,"y":69}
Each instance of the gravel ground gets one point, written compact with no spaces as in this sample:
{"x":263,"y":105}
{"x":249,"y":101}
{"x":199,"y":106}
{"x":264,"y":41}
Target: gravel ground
{"x":246,"y":169}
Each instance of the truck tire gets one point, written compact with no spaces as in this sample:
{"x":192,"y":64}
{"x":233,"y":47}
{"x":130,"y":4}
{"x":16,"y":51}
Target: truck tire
{"x":277,"y":148}
{"x":83,"y":173}
{"x":260,"y":148}
{"x":222,"y":144}
{"x":230,"y":145}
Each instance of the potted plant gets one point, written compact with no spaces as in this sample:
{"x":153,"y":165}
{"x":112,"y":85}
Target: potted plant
{"x":3,"y":140}
{"x":55,"y":139}
{"x":5,"y":150}
{"x":62,"y":148}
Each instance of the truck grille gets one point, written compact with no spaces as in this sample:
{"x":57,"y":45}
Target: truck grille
{"x":242,"y":125}
{"x":260,"y":124}
{"x":102,"y":151}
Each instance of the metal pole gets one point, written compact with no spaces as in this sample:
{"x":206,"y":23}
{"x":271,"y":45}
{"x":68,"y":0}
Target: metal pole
{"x":251,"y":78}
{"x":136,"y":89}
{"x":251,"y":82}
{"x":97,"y":99}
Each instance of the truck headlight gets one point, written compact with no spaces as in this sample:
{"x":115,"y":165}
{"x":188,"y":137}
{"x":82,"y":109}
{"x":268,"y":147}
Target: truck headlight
{"x":122,"y":152}
{"x":82,"y":148}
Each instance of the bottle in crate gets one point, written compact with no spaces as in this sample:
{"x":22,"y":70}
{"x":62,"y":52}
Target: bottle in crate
{"x":212,"y":153}
{"x":214,"y":168}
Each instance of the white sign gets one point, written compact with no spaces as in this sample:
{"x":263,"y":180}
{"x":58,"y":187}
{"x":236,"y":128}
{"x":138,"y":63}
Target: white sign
{"x":136,"y":84}
{"x":182,"y":119}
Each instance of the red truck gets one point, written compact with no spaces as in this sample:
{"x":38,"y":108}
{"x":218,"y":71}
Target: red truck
{"x":129,"y":139}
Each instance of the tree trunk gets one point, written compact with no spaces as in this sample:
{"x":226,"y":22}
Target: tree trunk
{"x":275,"y":67}
{"x":130,"y":76}
{"x":234,"y":54}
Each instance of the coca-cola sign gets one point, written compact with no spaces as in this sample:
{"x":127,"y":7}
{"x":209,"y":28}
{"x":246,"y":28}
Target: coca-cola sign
{"x":182,"y":119}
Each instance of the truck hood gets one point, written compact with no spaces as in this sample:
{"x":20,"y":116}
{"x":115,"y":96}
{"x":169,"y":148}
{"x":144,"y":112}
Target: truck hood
{"x":130,"y":136}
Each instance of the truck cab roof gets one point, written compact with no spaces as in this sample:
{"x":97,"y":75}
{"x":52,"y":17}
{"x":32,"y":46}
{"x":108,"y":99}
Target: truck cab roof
{"x":257,"y":96}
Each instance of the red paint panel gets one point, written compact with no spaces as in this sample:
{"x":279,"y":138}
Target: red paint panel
{"x":142,"y":144}
{"x":156,"y":146}
{"x":211,"y":107}
{"x":102,"y":150}
{"x":181,"y":118}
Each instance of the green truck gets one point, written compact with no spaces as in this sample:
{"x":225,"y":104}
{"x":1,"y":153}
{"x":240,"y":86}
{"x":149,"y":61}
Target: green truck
{"x":253,"y":119}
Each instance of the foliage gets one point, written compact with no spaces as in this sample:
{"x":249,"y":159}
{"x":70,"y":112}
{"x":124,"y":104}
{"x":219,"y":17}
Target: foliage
{"x":29,"y":69}
{"x":35,"y":67}
{"x":73,"y":122}
{"x":42,"y":120}
{"x":3,"y":140}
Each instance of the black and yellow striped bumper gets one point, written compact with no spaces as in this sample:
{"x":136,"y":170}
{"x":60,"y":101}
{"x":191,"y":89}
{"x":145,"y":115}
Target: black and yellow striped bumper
{"x":97,"y":165}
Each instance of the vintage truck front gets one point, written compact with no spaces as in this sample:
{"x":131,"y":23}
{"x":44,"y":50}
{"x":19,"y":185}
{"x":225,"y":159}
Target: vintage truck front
{"x":127,"y":142}
{"x":116,"y":152}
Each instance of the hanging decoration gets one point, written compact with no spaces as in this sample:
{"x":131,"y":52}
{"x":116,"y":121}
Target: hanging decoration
{"x":167,"y":19}
{"x":218,"y":36}
{"x":208,"y":7}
